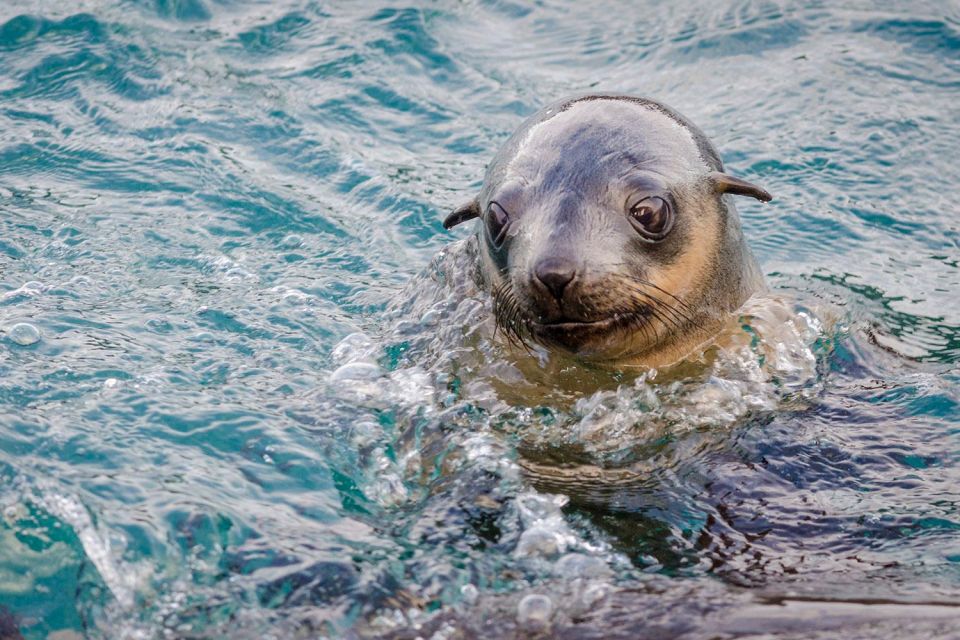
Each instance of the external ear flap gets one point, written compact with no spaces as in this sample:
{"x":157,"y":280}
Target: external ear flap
{"x":725,"y":183}
{"x":468,"y":211}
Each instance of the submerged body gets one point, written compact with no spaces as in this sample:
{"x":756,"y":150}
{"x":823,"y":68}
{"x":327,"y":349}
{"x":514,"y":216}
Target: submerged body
{"x":603,"y":232}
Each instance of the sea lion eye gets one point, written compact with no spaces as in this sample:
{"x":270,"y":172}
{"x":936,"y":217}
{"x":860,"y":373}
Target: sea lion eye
{"x":652,"y":217}
{"x":497,"y":222}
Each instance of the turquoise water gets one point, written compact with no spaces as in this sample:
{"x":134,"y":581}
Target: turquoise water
{"x":223,"y":414}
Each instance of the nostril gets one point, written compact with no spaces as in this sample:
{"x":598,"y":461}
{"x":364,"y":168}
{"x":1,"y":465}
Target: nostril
{"x":555,"y":274}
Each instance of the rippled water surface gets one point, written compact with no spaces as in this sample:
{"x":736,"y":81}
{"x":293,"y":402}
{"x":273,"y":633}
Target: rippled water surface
{"x":240,"y":397}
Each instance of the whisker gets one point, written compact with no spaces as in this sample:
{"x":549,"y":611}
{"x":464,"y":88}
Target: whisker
{"x":640,"y":307}
{"x":668,"y":314}
{"x":647,"y":283}
{"x":508,"y":315}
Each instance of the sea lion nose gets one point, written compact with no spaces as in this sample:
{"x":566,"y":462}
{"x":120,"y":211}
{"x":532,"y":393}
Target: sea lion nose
{"x":555,"y":274}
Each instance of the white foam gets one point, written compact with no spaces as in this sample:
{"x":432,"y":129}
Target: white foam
{"x":28,"y":290}
{"x":120,"y":578}
{"x":546,"y":532}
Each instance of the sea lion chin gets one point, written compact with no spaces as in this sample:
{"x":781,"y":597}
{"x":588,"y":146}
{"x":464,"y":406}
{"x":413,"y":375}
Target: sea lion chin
{"x":604,"y":232}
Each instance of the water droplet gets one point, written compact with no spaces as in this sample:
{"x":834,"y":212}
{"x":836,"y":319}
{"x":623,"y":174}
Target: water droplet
{"x":430,"y":318}
{"x":291,"y":242}
{"x":539,"y":541}
{"x":579,"y":565}
{"x":354,"y":347}
{"x":24,"y":334}
{"x":356,"y":371}
{"x":469,"y":593}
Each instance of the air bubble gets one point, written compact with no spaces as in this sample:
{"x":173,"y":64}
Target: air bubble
{"x":24,"y":334}
{"x":534,"y":611}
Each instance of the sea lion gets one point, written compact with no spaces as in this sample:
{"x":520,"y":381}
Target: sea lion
{"x":604,"y":232}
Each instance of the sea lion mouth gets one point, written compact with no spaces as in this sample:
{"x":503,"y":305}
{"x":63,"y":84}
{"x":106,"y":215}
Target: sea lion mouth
{"x":565,"y":324}
{"x":587,"y":329}
{"x":578,"y":335}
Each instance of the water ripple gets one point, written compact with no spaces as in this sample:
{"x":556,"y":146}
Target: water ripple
{"x":229,"y":420}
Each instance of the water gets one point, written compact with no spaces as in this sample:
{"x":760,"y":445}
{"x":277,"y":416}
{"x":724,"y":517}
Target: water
{"x":226,"y":411}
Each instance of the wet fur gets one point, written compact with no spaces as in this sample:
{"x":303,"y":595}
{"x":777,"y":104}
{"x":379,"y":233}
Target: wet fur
{"x":631,"y":302}
{"x":647,"y":308}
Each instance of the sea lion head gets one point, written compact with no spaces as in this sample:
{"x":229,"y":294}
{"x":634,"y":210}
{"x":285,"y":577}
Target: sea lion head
{"x":604,"y":231}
